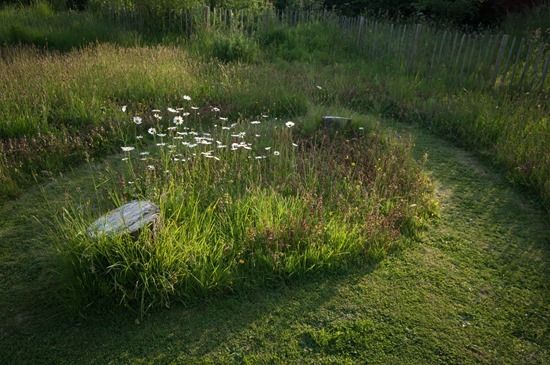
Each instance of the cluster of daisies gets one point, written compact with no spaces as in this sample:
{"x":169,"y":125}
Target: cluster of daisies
{"x":182,"y":143}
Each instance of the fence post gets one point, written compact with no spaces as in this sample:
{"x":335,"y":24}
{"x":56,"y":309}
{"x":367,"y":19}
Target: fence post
{"x":514,"y":65}
{"x":361,"y":20}
{"x":526,"y":64}
{"x":544,"y":71}
{"x":538,"y":59}
{"x":500,"y":54}
{"x":206,"y":12}
{"x":412,"y":59}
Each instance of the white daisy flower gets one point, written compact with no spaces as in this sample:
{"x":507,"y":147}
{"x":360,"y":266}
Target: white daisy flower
{"x":178,"y":120}
{"x":290,"y":124}
{"x":137,"y":120}
{"x":172,"y":110}
{"x":161,"y":134}
{"x":127,"y":149}
{"x":255,"y":122}
{"x":124,"y":108}
{"x":152,"y":131}
{"x":276,"y":153}
{"x":186,"y":97}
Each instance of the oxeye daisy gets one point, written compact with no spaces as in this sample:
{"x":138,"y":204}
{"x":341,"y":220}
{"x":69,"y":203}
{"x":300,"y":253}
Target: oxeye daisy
{"x":137,"y":120}
{"x":127,"y":149}
{"x":290,"y":124}
{"x":152,"y":131}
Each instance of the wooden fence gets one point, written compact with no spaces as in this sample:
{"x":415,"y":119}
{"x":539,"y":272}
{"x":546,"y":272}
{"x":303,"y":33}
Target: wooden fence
{"x":470,"y":59}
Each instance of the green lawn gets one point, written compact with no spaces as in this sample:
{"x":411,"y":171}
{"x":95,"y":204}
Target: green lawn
{"x":474,"y":290}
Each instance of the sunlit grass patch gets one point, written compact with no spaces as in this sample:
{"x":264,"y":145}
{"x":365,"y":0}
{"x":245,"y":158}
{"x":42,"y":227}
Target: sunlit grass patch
{"x":41,"y":26}
{"x":243,"y":203}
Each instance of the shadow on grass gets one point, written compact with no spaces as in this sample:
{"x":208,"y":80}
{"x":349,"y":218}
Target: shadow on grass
{"x":34,"y":325}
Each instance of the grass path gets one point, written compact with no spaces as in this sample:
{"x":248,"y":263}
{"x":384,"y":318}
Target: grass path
{"x":475,"y":290}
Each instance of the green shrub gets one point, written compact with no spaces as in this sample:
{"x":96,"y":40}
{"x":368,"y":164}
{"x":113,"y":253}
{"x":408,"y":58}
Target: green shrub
{"x":234,"y":48}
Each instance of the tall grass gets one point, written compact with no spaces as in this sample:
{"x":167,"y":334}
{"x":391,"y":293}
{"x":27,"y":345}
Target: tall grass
{"x":244,"y":203}
{"x":72,"y":111}
{"x":42,"y":27}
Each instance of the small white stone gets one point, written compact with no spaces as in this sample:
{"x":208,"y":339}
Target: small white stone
{"x":129,"y":218}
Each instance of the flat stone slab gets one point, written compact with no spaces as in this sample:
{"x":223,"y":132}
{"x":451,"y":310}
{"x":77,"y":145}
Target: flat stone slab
{"x":129,"y":218}
{"x":334,"y":121}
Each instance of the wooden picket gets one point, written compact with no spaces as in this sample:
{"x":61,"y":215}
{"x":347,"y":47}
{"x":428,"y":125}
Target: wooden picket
{"x":487,"y":60}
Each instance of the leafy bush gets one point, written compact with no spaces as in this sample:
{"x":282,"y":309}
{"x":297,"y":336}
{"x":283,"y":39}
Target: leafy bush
{"x":229,"y":48}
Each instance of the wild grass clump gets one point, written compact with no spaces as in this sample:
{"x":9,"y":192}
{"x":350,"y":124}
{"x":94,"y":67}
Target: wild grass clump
{"x":243,"y":203}
{"x":234,"y":47}
{"x":75,"y":93}
{"x":313,"y":42}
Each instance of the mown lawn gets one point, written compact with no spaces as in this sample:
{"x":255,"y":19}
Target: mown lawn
{"x":474,"y":290}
